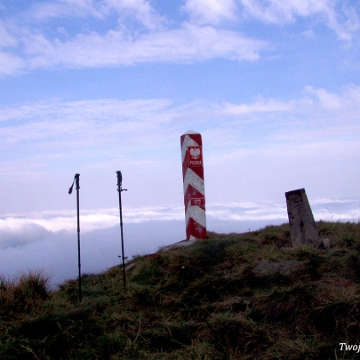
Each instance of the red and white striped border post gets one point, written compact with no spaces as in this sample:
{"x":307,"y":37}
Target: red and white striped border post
{"x":193,"y":178}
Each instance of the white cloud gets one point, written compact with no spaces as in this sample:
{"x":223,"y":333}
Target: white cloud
{"x":9,"y":62}
{"x":348,"y":100}
{"x":99,"y":40}
{"x":210,"y":11}
{"x":140,"y":10}
{"x":65,"y":220}
{"x":142,"y":123}
{"x":317,"y":107}
{"x":187,"y":44}
{"x":60,"y":124}
{"x":65,"y":8}
{"x":343,"y":19}
{"x":18,"y":232}
{"x":308,"y":34}
{"x":285,"y":11}
{"x":23,"y":229}
{"x":262,"y":105}
{"x":6,"y":39}
{"x":326,"y":100}
{"x":248,"y":211}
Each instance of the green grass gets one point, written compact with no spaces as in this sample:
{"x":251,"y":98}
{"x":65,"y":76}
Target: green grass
{"x":197,"y":302}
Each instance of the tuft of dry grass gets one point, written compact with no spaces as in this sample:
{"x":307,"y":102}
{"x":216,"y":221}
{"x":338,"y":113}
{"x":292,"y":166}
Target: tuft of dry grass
{"x":25,"y":293}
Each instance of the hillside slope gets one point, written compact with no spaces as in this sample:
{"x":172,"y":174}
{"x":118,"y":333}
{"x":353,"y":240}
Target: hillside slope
{"x":234,"y":296}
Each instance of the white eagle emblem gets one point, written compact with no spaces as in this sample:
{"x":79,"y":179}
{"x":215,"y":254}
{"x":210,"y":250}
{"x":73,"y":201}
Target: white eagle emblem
{"x":195,"y":153}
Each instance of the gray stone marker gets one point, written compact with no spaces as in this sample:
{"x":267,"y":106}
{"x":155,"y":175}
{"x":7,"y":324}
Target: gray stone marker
{"x":302,"y":224}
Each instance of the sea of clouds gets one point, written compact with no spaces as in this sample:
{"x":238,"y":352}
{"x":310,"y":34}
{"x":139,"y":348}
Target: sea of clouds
{"x":48,"y":240}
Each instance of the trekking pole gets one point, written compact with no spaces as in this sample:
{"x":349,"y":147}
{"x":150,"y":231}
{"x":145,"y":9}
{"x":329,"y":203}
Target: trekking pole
{"x":76,"y":181}
{"x":120,"y":190}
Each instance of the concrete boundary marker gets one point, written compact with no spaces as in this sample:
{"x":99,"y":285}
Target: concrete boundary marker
{"x":301,"y":220}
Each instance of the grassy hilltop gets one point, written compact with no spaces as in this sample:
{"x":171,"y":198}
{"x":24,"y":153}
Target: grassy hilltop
{"x":234,"y":296}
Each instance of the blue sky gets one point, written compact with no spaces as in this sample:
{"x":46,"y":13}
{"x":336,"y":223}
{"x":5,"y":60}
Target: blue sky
{"x":93,"y":87}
